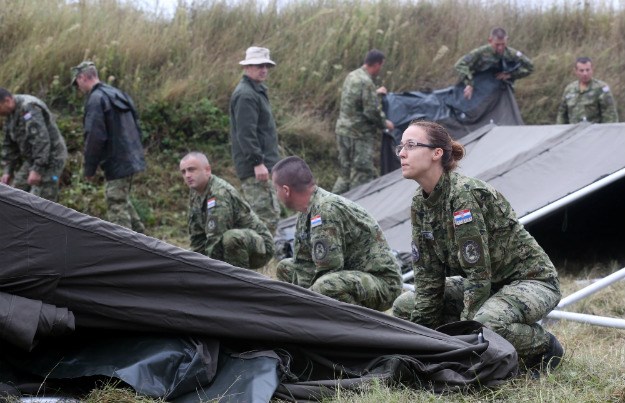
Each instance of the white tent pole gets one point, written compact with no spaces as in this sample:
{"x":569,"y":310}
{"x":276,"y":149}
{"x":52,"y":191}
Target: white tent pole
{"x":590,"y":319}
{"x":592,"y":288}
{"x":528,"y":218}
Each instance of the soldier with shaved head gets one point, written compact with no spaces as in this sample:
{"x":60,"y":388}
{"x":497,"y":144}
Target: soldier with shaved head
{"x":221,"y":223}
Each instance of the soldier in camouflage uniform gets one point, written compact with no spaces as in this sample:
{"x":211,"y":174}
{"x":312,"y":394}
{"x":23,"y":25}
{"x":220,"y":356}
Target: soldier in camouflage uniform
{"x":360,"y":123}
{"x":221,"y":224}
{"x":340,"y":250}
{"x":507,"y":64}
{"x":32,"y":139}
{"x":112,"y":141}
{"x":463,"y":227}
{"x":254,"y":137}
{"x":587,"y":99}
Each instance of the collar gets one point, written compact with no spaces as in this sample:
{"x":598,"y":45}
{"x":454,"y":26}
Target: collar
{"x":440,"y":190}
{"x":258,"y":87}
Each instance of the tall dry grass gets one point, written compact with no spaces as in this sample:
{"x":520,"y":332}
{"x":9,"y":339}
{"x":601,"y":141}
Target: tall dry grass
{"x":315,"y":43}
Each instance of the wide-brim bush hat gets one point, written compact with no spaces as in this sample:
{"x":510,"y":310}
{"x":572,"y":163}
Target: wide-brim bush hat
{"x":255,"y":55}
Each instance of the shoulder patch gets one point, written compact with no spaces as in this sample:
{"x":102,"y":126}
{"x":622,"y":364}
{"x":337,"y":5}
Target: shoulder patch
{"x":415,"y":253}
{"x":211,"y":224}
{"x":462,"y":217}
{"x":471,"y":251}
{"x":210,"y":203}
{"x":33,"y":128}
{"x":27,"y":116}
{"x":606,"y":88}
{"x":518,"y":53}
{"x":320,"y":250}
{"x":315,"y":221}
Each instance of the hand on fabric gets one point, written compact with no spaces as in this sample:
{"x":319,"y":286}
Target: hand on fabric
{"x":503,"y":76}
{"x":468,"y":91}
{"x":34,"y":178}
{"x":6,"y":178}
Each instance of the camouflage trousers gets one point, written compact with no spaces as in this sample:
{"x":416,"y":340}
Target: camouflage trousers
{"x":244,"y":248}
{"x":48,"y":188}
{"x":355,"y":163}
{"x":512,"y":311}
{"x":351,"y":286}
{"x":119,"y":207}
{"x":262,"y":198}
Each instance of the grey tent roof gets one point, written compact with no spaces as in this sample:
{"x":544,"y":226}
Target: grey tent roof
{"x":533,"y":166}
{"x":63,"y":270}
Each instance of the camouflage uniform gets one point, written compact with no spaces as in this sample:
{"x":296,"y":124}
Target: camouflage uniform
{"x":360,"y":123}
{"x":485,"y":58}
{"x":32,"y":138}
{"x":595,"y":104}
{"x":223,"y":226}
{"x":467,"y":228}
{"x":254,"y":141}
{"x":340,"y":251}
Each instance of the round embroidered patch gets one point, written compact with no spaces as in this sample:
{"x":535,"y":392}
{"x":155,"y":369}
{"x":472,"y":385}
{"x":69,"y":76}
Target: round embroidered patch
{"x":33,"y":129}
{"x":415,"y":253}
{"x":320,"y":249}
{"x":211,"y":225}
{"x":471,"y":251}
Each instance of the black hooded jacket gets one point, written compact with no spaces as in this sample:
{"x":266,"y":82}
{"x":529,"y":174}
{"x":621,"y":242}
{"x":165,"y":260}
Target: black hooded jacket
{"x":112,"y":134}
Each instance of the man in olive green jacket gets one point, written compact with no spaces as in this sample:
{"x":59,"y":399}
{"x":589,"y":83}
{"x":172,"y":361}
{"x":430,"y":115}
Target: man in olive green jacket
{"x":254,"y":137}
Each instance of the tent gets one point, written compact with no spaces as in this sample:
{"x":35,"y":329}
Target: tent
{"x":539,"y":169}
{"x":493,"y":101}
{"x":81,"y":298}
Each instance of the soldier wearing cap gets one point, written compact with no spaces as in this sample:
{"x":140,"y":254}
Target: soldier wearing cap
{"x":587,"y":99}
{"x":360,"y":123}
{"x":112,"y":141}
{"x":340,"y":250}
{"x":221,"y":223}
{"x":33,"y":150}
{"x":254,"y":137}
{"x":508,"y":64}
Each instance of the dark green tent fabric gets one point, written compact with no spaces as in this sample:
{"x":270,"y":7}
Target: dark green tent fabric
{"x":96,"y":275}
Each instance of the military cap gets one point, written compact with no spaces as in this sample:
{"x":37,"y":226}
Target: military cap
{"x":76,"y":70}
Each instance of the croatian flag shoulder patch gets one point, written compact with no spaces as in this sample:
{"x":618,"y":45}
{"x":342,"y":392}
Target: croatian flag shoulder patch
{"x":210,"y":203}
{"x":315,"y":221}
{"x":462,"y":217}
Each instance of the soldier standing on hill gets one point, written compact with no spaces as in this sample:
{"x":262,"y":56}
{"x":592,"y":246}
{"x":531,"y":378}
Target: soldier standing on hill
{"x":254,"y":137}
{"x":586,"y":99}
{"x":31,"y":138}
{"x":221,"y":223}
{"x":507,"y":63}
{"x":113,"y":141}
{"x":359,"y":124}
{"x":340,"y":250}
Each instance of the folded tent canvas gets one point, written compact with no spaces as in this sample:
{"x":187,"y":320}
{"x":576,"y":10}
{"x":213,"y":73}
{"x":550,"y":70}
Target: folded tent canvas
{"x":70,"y":276}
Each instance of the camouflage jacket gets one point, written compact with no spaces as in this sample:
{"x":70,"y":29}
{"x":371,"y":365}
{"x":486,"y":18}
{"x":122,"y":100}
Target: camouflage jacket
{"x":218,"y":209}
{"x":595,"y":104}
{"x":253,"y":134}
{"x":361,"y":113}
{"x":30,"y":134}
{"x":484,"y":58}
{"x":337,"y":234}
{"x":465,"y":227}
